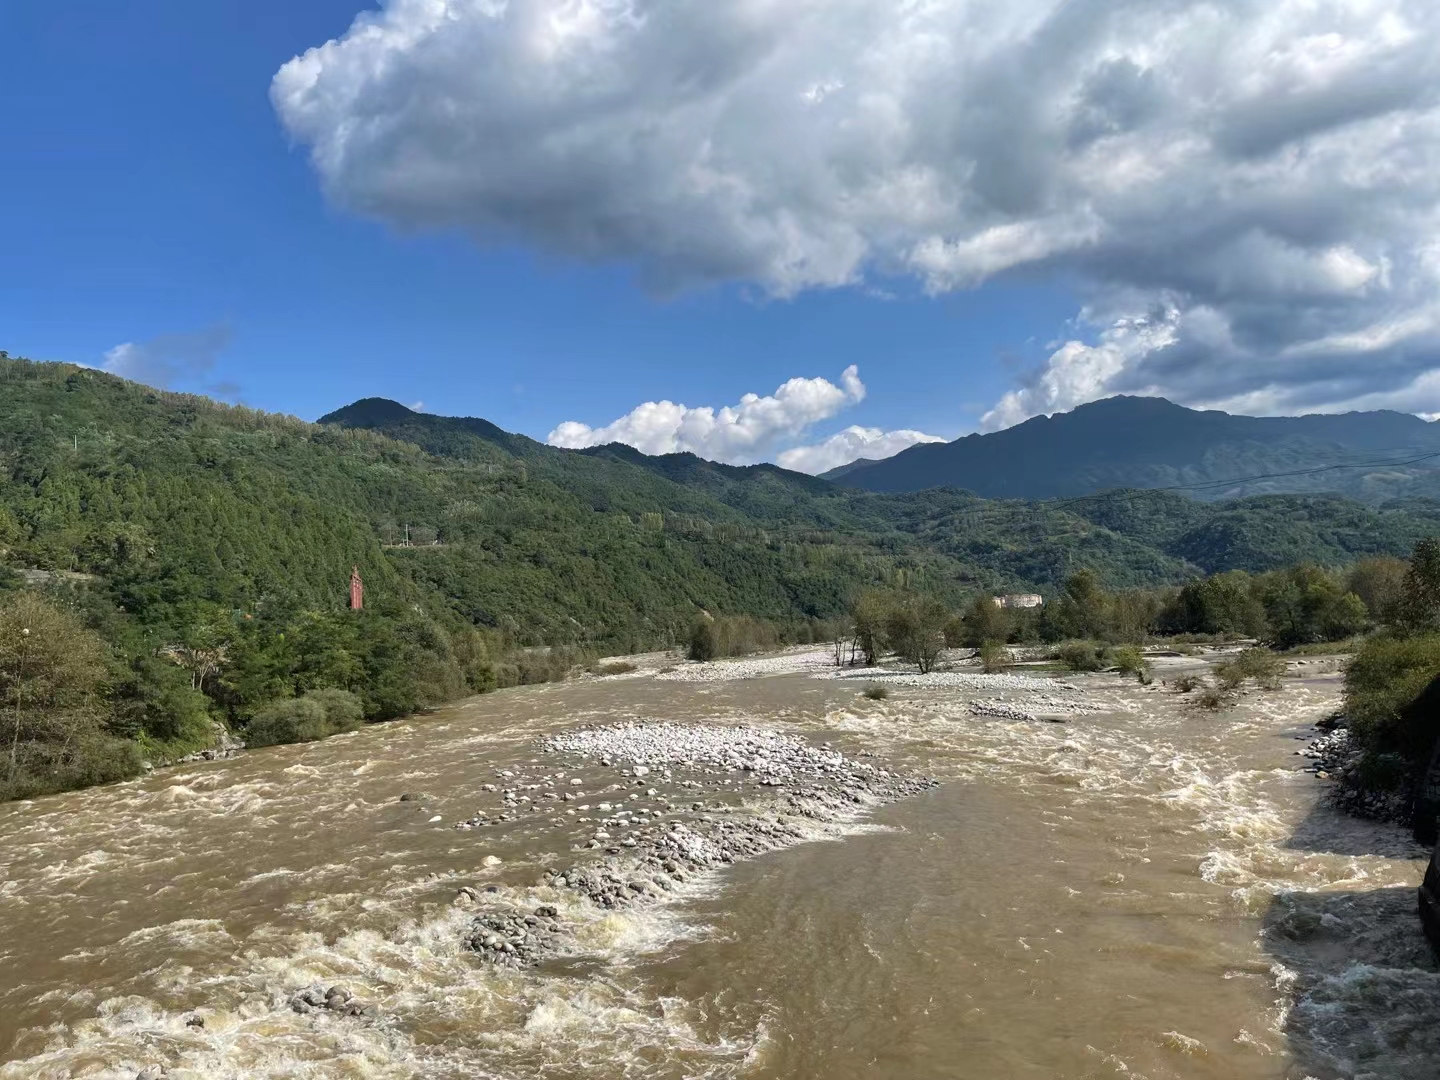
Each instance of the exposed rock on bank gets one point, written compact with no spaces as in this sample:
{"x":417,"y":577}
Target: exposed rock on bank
{"x":1334,"y":756}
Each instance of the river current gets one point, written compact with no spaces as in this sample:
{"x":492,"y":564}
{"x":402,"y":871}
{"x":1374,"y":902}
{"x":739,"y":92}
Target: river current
{"x":1146,"y":891}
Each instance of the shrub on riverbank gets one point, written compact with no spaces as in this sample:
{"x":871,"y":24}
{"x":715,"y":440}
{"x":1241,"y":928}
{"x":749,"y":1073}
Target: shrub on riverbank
{"x":995,"y":658}
{"x":1214,"y":698}
{"x":1384,"y":678}
{"x":316,"y":715}
{"x":1259,"y":665}
{"x":617,"y":667}
{"x":1080,"y":655}
{"x":713,"y":638}
{"x":1129,"y":660}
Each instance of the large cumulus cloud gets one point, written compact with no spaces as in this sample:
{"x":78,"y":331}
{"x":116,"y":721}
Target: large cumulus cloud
{"x":742,"y":433}
{"x":1244,"y":192}
{"x":752,"y":430}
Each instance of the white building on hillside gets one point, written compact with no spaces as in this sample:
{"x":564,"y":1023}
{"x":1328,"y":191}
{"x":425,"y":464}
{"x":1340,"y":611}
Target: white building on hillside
{"x":1019,"y":600}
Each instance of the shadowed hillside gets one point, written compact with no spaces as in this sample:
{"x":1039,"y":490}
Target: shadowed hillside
{"x":1130,"y":442}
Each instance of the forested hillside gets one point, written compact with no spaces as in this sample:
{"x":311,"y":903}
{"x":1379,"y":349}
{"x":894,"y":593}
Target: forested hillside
{"x":1131,"y":537}
{"x":1133,"y":442}
{"x":203,"y":551}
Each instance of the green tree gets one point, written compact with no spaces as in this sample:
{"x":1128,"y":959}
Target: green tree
{"x":869,"y":614}
{"x":704,"y":638}
{"x":1305,"y":604}
{"x":1221,"y":604}
{"x":1379,"y":582}
{"x":985,"y":621}
{"x":1084,"y":608}
{"x":994,"y":658}
{"x":52,"y":671}
{"x":916,"y":630}
{"x":154,"y":698}
{"x":1418,"y":611}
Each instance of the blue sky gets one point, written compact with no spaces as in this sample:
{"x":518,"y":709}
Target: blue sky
{"x":150,"y":190}
{"x":1022,"y":225}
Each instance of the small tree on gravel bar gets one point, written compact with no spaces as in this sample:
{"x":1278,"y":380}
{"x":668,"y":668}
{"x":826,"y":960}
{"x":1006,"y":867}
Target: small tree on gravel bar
{"x":869,"y":613}
{"x":994,"y":658}
{"x":704,"y":638}
{"x":916,"y":629}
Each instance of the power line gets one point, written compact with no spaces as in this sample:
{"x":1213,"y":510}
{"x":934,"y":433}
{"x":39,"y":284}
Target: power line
{"x":1231,"y":482}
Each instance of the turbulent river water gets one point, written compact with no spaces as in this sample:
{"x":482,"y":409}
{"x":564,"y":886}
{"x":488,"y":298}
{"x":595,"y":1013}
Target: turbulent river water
{"x":1144,"y":891}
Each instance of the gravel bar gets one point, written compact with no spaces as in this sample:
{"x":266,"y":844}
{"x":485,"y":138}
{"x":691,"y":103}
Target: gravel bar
{"x":810,"y":792}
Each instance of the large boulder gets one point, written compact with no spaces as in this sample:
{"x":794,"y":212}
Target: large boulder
{"x":1427,"y":825}
{"x":1426,"y":811}
{"x":1430,"y":902}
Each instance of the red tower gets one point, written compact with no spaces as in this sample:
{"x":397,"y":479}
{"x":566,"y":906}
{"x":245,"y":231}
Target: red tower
{"x":357,"y":590}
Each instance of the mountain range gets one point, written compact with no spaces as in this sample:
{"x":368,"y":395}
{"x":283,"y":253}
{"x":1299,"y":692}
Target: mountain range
{"x":1139,"y":442}
{"x":1132,"y":535}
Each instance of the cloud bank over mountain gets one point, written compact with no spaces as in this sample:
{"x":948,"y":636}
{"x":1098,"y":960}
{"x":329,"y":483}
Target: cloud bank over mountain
{"x":850,"y":445}
{"x":173,"y":360}
{"x":1243,"y":193}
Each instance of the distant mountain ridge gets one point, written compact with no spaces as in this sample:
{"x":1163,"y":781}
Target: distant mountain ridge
{"x":1146,"y":442}
{"x":1134,"y":535}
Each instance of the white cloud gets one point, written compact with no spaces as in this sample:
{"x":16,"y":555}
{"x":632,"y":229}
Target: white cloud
{"x":1264,"y":171}
{"x":172,"y":359}
{"x":416,"y":406}
{"x":1078,"y":372}
{"x":849,"y":445}
{"x":739,"y":434}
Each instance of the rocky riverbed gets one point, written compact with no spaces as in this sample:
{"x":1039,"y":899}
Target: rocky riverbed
{"x":1335,"y":758}
{"x":659,"y":837}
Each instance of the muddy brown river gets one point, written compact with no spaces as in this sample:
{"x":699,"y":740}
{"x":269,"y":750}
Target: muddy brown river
{"x":1145,"y":891}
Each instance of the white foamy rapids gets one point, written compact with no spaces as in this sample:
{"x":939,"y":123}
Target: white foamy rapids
{"x":1153,"y":749}
{"x":1359,"y":989}
{"x":441,"y":1015}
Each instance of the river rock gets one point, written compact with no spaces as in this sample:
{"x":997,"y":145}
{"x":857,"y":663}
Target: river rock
{"x":465,"y":896}
{"x":337,"y":1000}
{"x":513,"y":938}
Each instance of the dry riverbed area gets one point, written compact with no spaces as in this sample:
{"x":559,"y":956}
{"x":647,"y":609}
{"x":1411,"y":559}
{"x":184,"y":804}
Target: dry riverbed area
{"x":732,"y":870}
